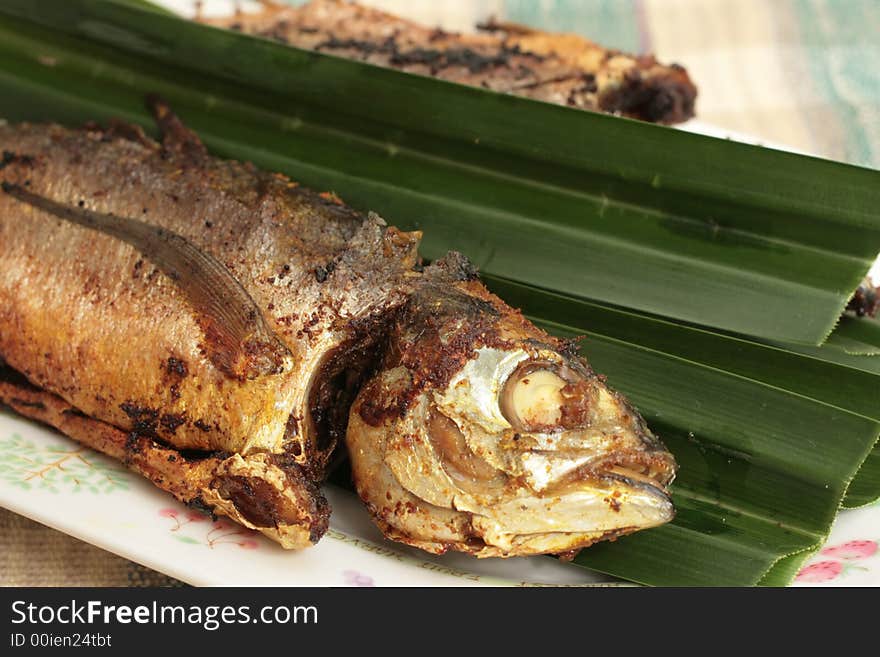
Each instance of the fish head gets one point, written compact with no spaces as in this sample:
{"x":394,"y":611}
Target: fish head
{"x":484,"y":434}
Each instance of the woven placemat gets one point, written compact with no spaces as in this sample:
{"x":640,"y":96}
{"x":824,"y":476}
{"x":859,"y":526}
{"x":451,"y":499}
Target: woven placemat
{"x":32,"y":554}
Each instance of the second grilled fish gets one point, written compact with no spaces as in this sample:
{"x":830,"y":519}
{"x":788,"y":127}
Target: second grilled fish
{"x":221,"y":329}
{"x":565,"y":69}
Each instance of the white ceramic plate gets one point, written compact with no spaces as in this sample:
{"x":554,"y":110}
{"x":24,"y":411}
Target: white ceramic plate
{"x":57,"y":482}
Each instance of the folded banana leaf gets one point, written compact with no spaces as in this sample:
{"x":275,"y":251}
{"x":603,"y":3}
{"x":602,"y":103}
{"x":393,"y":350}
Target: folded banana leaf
{"x":769,"y":437}
{"x":857,"y":338}
{"x":769,"y":440}
{"x":709,"y":231}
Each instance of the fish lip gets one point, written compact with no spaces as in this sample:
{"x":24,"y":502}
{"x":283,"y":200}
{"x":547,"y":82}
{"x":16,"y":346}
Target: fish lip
{"x":667,"y":510}
{"x":657,"y":489}
{"x":641,"y":464}
{"x":657,"y":465}
{"x":600,"y":475}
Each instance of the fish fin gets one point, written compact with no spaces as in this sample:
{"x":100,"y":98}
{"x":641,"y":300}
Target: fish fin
{"x":208,"y":481}
{"x":239,"y":341}
{"x":129,"y":132}
{"x":176,"y":137}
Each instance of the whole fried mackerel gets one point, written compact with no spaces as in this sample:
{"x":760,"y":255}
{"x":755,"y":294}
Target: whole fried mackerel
{"x":565,"y":69}
{"x":221,"y":330}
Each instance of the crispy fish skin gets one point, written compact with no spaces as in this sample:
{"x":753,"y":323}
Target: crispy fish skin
{"x":564,"y":69}
{"x":468,"y":427}
{"x":88,"y":318}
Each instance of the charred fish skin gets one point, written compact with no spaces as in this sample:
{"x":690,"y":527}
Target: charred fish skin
{"x":468,"y":428}
{"x":563,"y":69}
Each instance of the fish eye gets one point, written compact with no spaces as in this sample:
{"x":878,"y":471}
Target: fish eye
{"x":534,"y":396}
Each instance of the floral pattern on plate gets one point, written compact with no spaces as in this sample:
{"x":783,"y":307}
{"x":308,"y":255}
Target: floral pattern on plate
{"x":62,"y":467}
{"x":196,"y":528}
{"x":836,"y":562}
{"x":851,"y":556}
{"x":355,"y":578}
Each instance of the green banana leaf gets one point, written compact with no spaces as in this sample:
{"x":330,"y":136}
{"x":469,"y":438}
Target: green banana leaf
{"x":768,"y":440}
{"x":858,"y":338}
{"x":769,"y":437}
{"x":704,"y":230}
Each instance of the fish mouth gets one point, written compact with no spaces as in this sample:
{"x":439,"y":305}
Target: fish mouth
{"x":568,"y":516}
{"x":651,"y":470}
{"x":604,"y":500}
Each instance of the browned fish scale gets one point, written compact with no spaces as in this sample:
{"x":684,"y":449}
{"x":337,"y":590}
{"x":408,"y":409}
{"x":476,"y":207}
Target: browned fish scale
{"x":565,"y":69}
{"x":221,"y":329}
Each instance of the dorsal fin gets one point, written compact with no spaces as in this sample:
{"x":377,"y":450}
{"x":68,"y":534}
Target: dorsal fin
{"x":176,"y":137}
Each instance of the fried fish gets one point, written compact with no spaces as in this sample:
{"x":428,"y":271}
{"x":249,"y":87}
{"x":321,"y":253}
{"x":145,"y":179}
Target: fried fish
{"x":564,"y":69}
{"x":222,"y":330}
